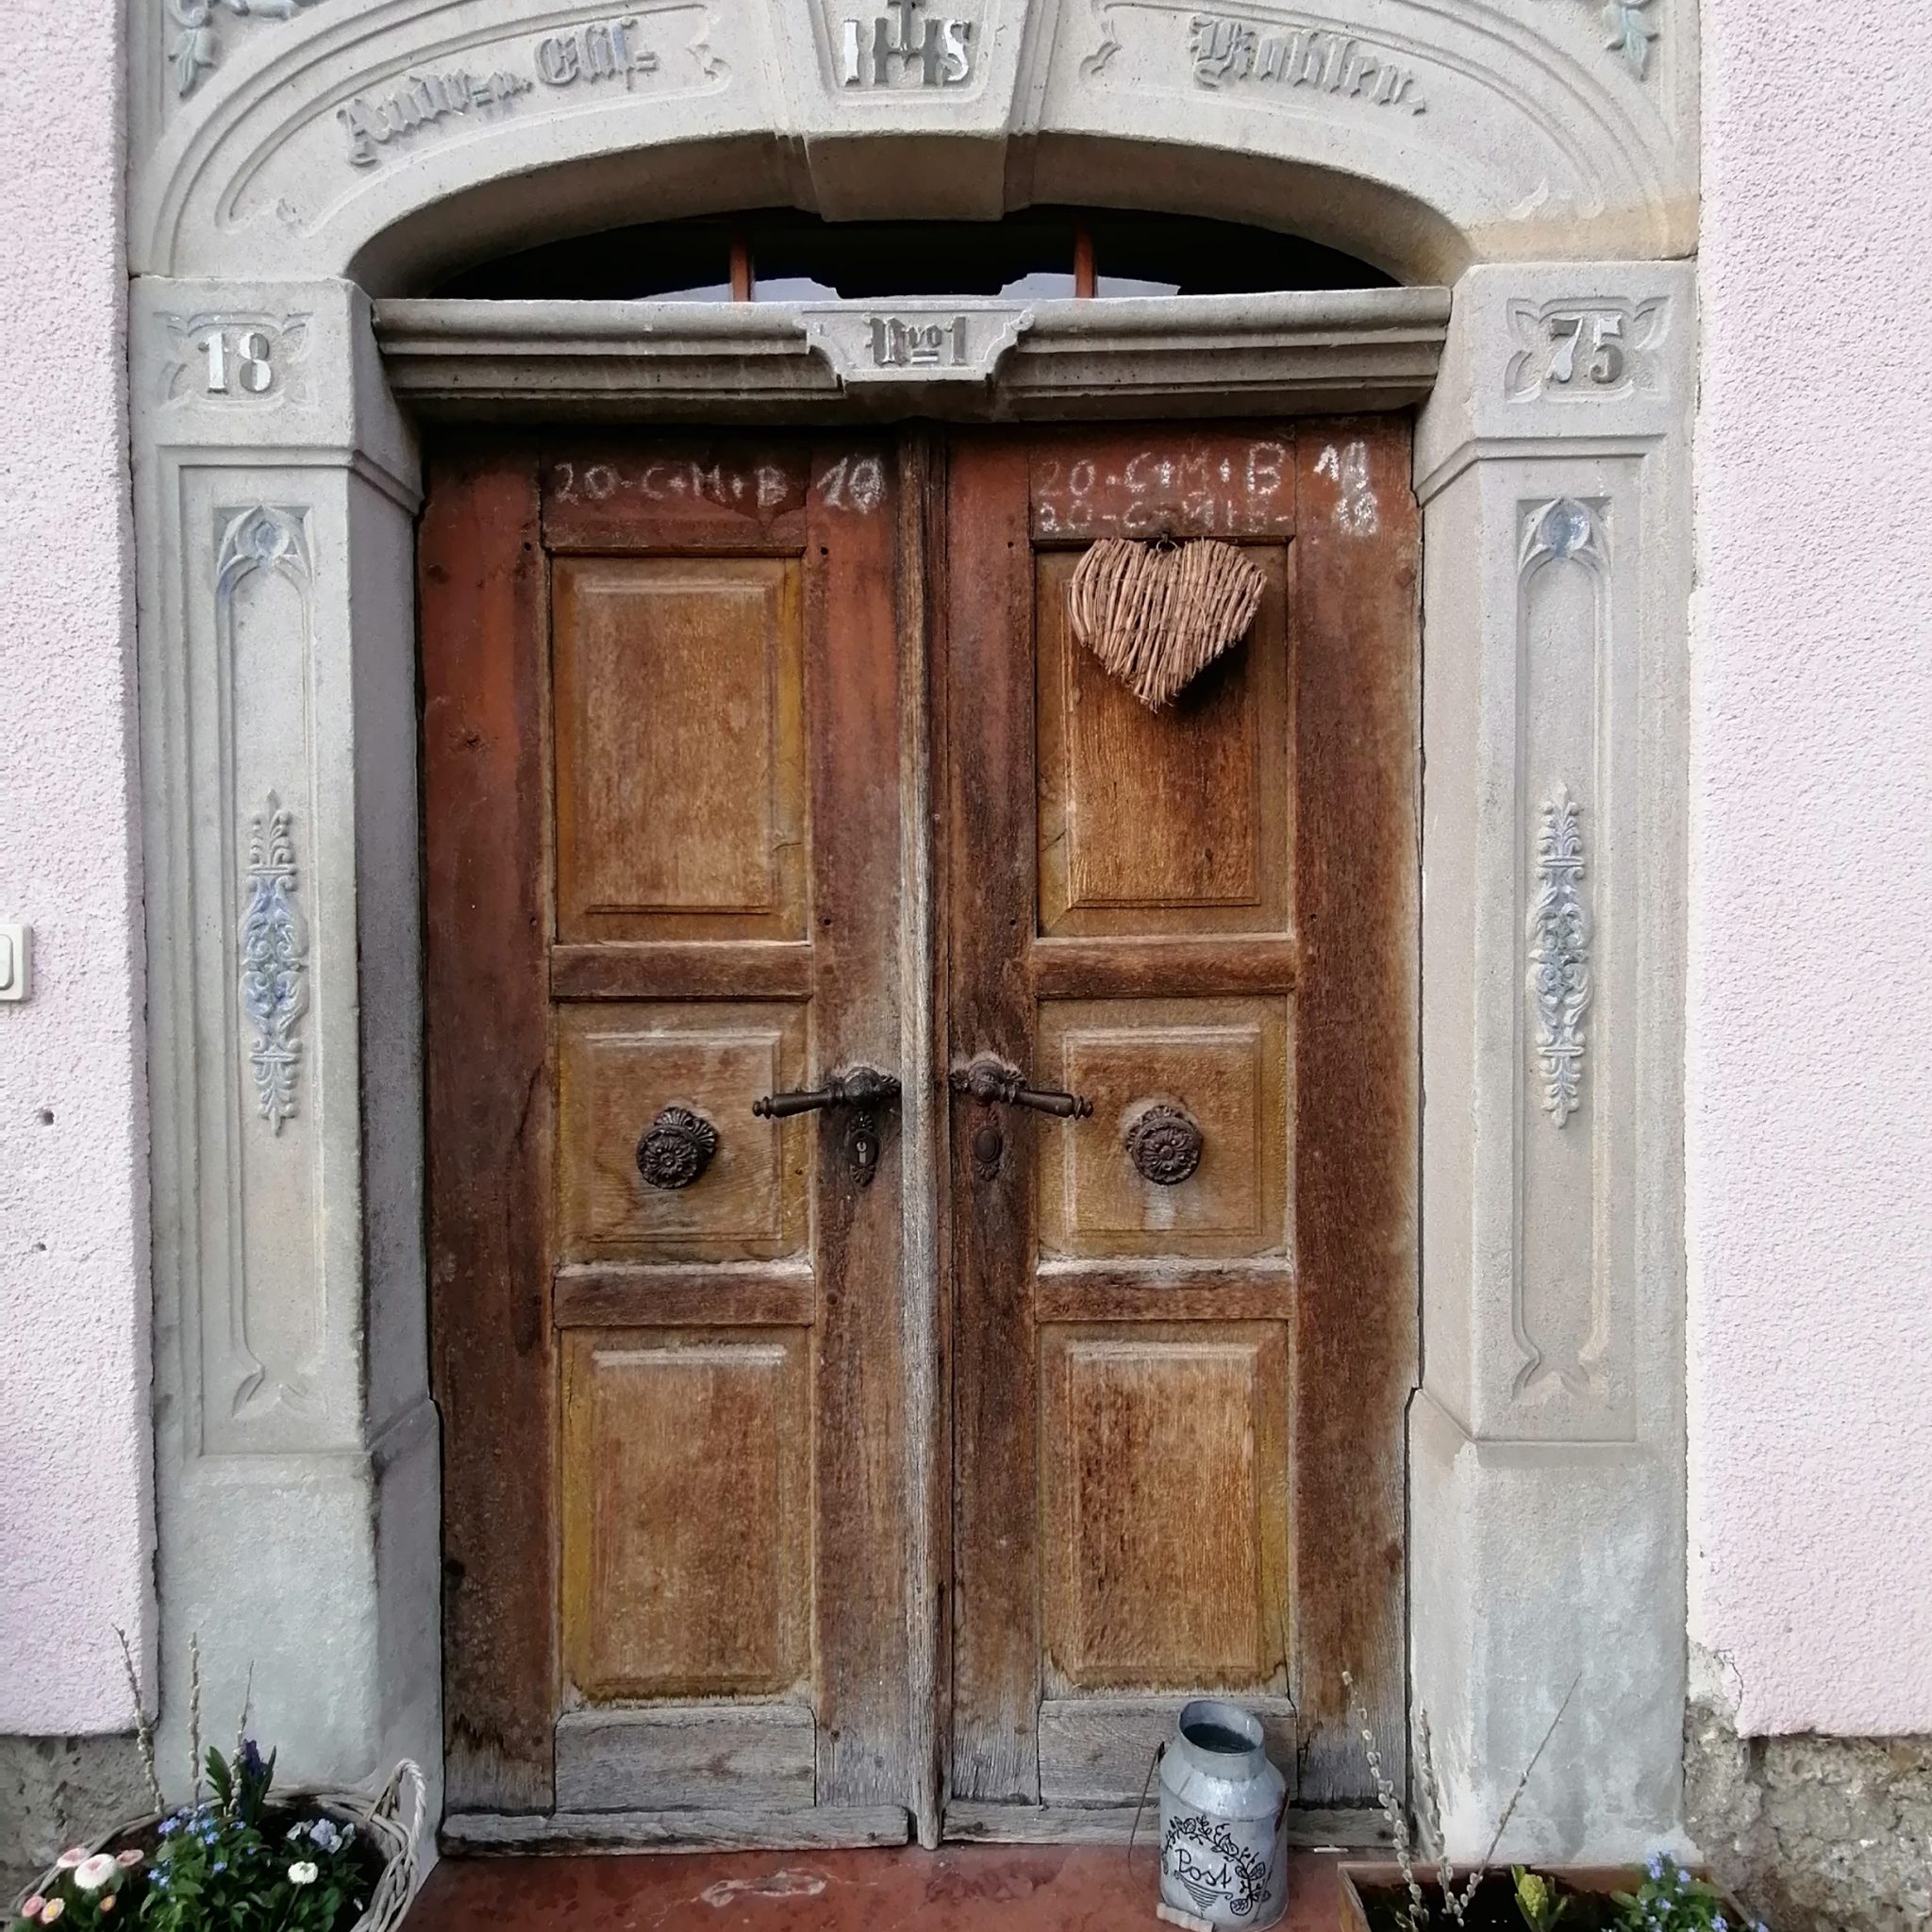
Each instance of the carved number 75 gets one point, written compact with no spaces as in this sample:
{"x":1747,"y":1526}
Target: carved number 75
{"x":1597,"y":337}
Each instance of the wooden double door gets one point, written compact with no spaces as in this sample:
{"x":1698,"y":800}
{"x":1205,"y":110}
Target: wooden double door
{"x":922,"y":1149}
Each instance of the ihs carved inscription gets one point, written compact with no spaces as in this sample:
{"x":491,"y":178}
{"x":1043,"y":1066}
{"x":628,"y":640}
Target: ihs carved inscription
{"x":903,"y":46}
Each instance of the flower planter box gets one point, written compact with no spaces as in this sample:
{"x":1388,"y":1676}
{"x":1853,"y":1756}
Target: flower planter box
{"x":1371,"y":1893}
{"x":391,"y":1823}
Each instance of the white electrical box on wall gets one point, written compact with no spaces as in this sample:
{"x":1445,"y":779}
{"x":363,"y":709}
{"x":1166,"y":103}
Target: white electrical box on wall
{"x":16,"y":960}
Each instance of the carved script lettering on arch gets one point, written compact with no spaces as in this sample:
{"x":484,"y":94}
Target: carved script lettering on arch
{"x":603,"y":52}
{"x":1230,"y":52}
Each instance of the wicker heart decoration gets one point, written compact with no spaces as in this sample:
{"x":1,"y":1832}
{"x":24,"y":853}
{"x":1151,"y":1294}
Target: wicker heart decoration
{"x":1158,"y":614}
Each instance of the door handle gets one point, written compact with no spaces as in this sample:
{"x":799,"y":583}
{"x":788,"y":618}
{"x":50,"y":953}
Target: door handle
{"x":860,"y":1086}
{"x":861,"y":1089}
{"x":988,"y":1078}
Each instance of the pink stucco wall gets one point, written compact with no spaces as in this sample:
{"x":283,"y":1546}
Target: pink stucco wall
{"x":1809,"y":1077}
{"x":75,"y":1444}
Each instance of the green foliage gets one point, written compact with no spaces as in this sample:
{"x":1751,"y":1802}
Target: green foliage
{"x":228,"y":1863}
{"x":1670,"y":1900}
{"x":1537,"y":1902}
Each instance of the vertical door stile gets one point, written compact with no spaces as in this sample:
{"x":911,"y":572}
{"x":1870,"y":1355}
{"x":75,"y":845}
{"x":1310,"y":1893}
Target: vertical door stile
{"x":921,"y":579}
{"x":487,"y":915}
{"x":1358,"y":902}
{"x":854,"y":727}
{"x":989,"y":835}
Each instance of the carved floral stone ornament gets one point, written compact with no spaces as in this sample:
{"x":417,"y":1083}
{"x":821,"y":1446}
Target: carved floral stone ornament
{"x":195,"y":45}
{"x":275,"y":948}
{"x":266,"y":538}
{"x":1629,"y":32}
{"x":1558,"y":531}
{"x":1559,"y":988}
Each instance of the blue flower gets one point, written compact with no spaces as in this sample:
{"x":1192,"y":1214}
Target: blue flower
{"x":1656,"y":1867}
{"x":168,"y":1826}
{"x":1720,"y":1923}
{"x":222,"y":1865}
{"x":251,"y":1758}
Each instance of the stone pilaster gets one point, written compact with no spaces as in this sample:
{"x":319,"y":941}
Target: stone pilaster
{"x":296,"y":1473}
{"x":1546,"y":1441}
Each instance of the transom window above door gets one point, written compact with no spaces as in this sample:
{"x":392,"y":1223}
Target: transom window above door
{"x":780,"y":255}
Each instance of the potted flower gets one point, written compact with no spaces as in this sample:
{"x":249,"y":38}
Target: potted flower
{"x":1660,"y":1897}
{"x":1413,"y":1894}
{"x":237,"y":1857}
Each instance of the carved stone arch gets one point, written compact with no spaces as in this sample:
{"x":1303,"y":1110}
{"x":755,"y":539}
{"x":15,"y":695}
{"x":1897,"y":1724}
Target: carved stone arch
{"x":389,"y":140}
{"x":1540,"y":154}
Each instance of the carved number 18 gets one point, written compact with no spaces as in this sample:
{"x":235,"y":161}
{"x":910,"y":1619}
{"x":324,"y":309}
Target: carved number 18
{"x":245,"y":358}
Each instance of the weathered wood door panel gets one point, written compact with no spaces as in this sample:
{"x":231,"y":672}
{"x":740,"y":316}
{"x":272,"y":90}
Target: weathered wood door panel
{"x":662,"y":723}
{"x":679,"y":830}
{"x":1178,"y":1398}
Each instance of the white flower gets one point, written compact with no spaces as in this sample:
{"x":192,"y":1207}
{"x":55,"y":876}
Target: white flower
{"x":301,"y":1873}
{"x":72,"y":1857}
{"x":91,"y":1873}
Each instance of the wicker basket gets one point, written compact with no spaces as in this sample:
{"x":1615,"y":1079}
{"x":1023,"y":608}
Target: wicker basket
{"x":393,"y":1819}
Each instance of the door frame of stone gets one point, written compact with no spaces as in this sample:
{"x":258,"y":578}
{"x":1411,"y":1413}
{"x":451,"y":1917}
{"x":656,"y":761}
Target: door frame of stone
{"x":295,"y":1444}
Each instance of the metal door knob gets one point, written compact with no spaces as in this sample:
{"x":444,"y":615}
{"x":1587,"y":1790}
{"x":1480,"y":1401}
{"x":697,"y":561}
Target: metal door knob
{"x":675,"y":1148}
{"x":987,"y":1078}
{"x":1164,"y":1143}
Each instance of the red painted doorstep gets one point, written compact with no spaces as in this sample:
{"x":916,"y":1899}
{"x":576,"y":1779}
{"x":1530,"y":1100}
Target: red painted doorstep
{"x":957,"y":1889}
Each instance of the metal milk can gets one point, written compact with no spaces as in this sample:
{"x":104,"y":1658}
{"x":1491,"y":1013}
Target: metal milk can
{"x":1223,"y":1819}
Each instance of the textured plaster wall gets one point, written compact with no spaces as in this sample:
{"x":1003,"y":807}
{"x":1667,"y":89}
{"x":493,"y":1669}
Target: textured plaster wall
{"x":74,"y":1442}
{"x":1810,"y":1069}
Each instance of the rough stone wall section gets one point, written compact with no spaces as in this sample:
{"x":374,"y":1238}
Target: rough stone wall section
{"x":53,"y":1789}
{"x":75,"y":1448}
{"x":1815,"y":1834}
